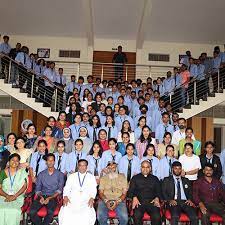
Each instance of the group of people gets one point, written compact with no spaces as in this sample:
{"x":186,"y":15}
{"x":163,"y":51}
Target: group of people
{"x":114,"y":141}
{"x":177,"y":87}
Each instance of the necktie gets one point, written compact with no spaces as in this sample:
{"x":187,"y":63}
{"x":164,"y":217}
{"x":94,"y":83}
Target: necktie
{"x":208,"y":160}
{"x":60,"y":79}
{"x":129,"y":169}
{"x":174,"y":128}
{"x":109,"y":132}
{"x":24,"y":58}
{"x":94,"y":134}
{"x":32,"y":64}
{"x":175,"y":78}
{"x":59,"y":163}
{"x":37,"y":166}
{"x":78,"y":157}
{"x":165,"y":128}
{"x":170,"y":165}
{"x":96,"y":167}
{"x":158,"y":88}
{"x":150,"y":161}
{"x":79,"y":89}
{"x":178,"y":189}
{"x":40,"y":70}
{"x":113,"y":158}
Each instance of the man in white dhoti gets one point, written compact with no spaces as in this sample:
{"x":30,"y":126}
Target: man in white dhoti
{"x":79,"y":194}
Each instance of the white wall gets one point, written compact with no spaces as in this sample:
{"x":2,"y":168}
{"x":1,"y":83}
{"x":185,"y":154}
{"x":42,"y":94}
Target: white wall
{"x":64,"y":43}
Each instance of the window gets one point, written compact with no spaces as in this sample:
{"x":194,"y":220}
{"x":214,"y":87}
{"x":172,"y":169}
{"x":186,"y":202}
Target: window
{"x":158,"y":57}
{"x":69,"y":53}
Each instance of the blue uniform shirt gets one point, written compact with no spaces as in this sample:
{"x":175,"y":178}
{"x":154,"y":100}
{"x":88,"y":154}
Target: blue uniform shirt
{"x":135,"y":165}
{"x":72,"y":160}
{"x":154,"y":162}
{"x":193,"y":70}
{"x":34,"y":160}
{"x":61,"y":166}
{"x":164,"y":167}
{"x":92,"y":164}
{"x":161,"y":129}
{"x":169,"y":85}
{"x":107,"y":157}
{"x":5,"y":48}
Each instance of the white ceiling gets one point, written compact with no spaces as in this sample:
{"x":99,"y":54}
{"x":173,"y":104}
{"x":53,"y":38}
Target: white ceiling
{"x":169,"y":20}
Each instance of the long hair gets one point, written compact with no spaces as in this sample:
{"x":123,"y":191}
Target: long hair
{"x":98,"y":123}
{"x":149,"y":138}
{"x":146,"y":150}
{"x":129,"y":128}
{"x":91,"y":152}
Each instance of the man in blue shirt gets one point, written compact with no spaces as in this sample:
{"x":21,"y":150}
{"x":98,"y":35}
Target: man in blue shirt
{"x":215,"y":66}
{"x":163,"y":127}
{"x":5,"y":49}
{"x":185,"y":59}
{"x":49,"y":186}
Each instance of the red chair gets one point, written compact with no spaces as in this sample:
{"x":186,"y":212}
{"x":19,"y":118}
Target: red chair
{"x":183,"y":217}
{"x":27,"y":199}
{"x":214,"y":218}
{"x":43,"y":211}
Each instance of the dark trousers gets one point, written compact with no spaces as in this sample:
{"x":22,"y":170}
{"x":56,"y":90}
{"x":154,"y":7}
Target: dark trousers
{"x":41,"y":89}
{"x":59,"y":99}
{"x":118,"y":72}
{"x":5,"y":66}
{"x":202,"y":88}
{"x":215,"y":77}
{"x":49,"y":91}
{"x":36,"y":206}
{"x":182,"y":207}
{"x":213,"y":207}
{"x":151,"y":210}
{"x":22,"y":76}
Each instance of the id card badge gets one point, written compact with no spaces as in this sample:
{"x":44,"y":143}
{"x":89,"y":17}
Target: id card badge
{"x":11,"y":192}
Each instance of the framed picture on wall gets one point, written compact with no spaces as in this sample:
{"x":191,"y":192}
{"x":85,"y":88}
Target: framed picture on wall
{"x":43,"y":52}
{"x":180,"y":57}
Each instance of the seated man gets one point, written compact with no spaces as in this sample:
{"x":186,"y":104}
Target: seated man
{"x":112,"y":194}
{"x":79,"y":194}
{"x":177,"y":191}
{"x":145,"y":191}
{"x":208,"y":193}
{"x":49,"y":185}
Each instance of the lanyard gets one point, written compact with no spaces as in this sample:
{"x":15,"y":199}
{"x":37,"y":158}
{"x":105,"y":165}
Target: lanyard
{"x":12,"y":179}
{"x":81,"y":183}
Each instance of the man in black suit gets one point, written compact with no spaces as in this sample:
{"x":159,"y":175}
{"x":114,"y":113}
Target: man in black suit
{"x":177,"y":191}
{"x":145,"y":192}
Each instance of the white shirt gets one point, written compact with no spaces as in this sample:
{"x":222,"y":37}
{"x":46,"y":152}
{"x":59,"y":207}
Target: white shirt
{"x":190,"y":163}
{"x":178,"y":135}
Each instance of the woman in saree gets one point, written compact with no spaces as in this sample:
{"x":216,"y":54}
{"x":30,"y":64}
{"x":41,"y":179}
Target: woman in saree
{"x":13,"y":184}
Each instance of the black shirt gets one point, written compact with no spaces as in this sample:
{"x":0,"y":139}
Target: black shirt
{"x":13,"y":53}
{"x":144,"y":188}
{"x":120,"y":57}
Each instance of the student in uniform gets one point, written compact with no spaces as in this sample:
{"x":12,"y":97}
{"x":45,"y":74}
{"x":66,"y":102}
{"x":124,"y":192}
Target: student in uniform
{"x":61,"y":158}
{"x":94,"y":128}
{"x":165,"y":164}
{"x":149,"y":155}
{"x":75,"y":127}
{"x":49,"y":79}
{"x":129,"y":164}
{"x":38,"y":160}
{"x":141,"y":124}
{"x":112,"y":154}
{"x":110,"y":127}
{"x":95,"y":161}
{"x":123,"y":143}
{"x":75,"y":156}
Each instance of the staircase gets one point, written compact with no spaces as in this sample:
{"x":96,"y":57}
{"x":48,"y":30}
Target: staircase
{"x":203,"y":105}
{"x":23,"y":98}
